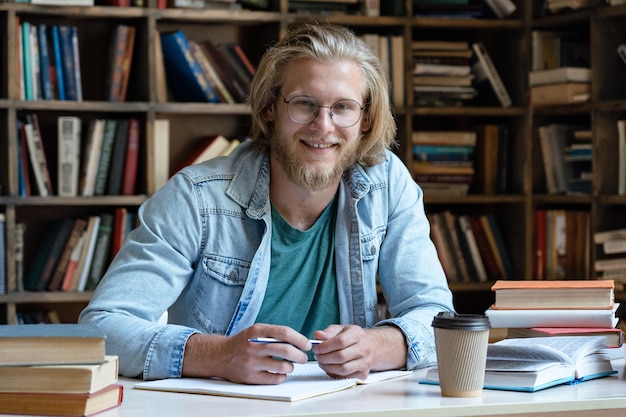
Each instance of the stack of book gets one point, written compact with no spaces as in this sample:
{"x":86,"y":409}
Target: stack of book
{"x":442,"y":73}
{"x":612,"y":244}
{"x":56,"y":369}
{"x":558,"y":308}
{"x":443,"y":161}
{"x":561,"y":85}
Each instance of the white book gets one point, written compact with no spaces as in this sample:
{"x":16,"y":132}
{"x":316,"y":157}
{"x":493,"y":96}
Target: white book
{"x":68,"y":158}
{"x":160,"y":155}
{"x":306,"y":381}
{"x":485,"y":69}
{"x":559,"y":75}
{"x":92,"y":157}
{"x":86,"y":256}
{"x":37,"y":156}
{"x":602,"y":237}
{"x":441,"y":69}
{"x":501,"y":8}
{"x":552,"y":318}
{"x":614,"y":246}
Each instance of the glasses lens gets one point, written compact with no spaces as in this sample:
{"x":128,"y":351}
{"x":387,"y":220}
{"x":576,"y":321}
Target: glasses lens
{"x":303,"y":109}
{"x":345,"y":113}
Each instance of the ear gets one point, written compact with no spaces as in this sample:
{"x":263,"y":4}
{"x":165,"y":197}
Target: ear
{"x":268,"y":112}
{"x":365,"y":125}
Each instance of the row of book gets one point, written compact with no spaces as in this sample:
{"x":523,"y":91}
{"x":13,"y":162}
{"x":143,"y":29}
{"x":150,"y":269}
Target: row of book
{"x":203,"y":71}
{"x":75,"y":252}
{"x":49,"y":61}
{"x":453,"y":163}
{"x":56,"y":370}
{"x":456,"y":73}
{"x":100,"y":160}
{"x":390,"y":50}
{"x":470,"y":248}
{"x":562,"y":244}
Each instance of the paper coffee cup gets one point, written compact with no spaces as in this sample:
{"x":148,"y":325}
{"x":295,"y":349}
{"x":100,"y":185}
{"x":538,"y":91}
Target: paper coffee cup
{"x":461,"y":341}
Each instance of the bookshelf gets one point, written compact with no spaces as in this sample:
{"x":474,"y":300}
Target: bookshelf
{"x":508,"y":42}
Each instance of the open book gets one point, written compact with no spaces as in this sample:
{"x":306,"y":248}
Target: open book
{"x":306,"y":381}
{"x":533,"y":364}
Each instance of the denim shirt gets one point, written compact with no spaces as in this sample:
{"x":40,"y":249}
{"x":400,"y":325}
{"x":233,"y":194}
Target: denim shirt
{"x":202,"y":253}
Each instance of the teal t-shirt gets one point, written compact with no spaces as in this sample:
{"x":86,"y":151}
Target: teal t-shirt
{"x":302,"y":290}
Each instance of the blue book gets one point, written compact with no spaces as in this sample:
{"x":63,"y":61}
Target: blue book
{"x":184,"y":74}
{"x":58,"y":62}
{"x":67,"y":60}
{"x":26,"y":71}
{"x":44,"y":62}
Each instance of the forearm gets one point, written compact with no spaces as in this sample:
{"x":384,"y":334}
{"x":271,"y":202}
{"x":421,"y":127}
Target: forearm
{"x":390,"y":349}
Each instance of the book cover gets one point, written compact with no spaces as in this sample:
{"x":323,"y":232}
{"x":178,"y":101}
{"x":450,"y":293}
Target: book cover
{"x":118,"y":158}
{"x":117,"y":50}
{"x":67,"y":57}
{"x":58,"y":62}
{"x":557,"y":294}
{"x":104,"y":163}
{"x":210,"y":73}
{"x":127,"y":61}
{"x":91,"y":157}
{"x":56,"y":280}
{"x":79,"y":280}
{"x":486,"y":73}
{"x":306,"y":381}
{"x":131,"y":162}
{"x":237,"y":88}
{"x":559,"y":75}
{"x":210,"y":147}
{"x":614,"y":337}
{"x":44,"y":62}
{"x":101,"y":253}
{"x":70,"y":379}
{"x":51,"y":344}
{"x":507,"y":318}
{"x":37,"y":153}
{"x":68,"y":157}
{"x":531,"y":365}
{"x":61,"y":404}
{"x":184,"y":74}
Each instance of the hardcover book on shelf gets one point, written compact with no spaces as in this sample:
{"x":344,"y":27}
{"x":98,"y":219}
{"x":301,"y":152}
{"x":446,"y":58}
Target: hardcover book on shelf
{"x":34,"y":62}
{"x":559,"y":75}
{"x":51,"y":344}
{"x":79,"y":279}
{"x":51,"y":257}
{"x":56,"y":280}
{"x":131,"y":162}
{"x":106,"y":152}
{"x":449,"y":138}
{"x":117,"y":50}
{"x":37,"y":153}
{"x":36,"y":403}
{"x":487,"y":76}
{"x":306,"y":381}
{"x":68,"y":158}
{"x":531,"y":365}
{"x":561,"y":93}
{"x":44,"y":62}
{"x":210,"y":147}
{"x":69,"y":379}
{"x":100,"y":259}
{"x":184,"y":74}
{"x":518,"y":318}
{"x":159,"y":156}
{"x":501,"y":8}
{"x":118,"y":158}
{"x":69,"y":69}
{"x":558,"y":294}
{"x":91,"y":158}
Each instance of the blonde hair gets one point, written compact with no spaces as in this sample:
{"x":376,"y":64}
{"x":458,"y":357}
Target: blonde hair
{"x":326,"y":43}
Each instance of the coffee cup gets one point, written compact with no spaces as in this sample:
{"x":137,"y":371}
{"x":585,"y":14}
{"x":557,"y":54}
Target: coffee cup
{"x":461,"y":342}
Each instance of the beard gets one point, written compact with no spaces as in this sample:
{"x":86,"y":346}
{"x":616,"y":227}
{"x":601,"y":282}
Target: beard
{"x":306,"y":177}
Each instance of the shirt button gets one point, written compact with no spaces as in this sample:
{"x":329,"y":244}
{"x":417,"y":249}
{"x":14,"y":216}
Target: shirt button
{"x":372,"y":250}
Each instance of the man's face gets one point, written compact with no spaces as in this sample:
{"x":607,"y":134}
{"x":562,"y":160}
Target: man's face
{"x":314,"y":154}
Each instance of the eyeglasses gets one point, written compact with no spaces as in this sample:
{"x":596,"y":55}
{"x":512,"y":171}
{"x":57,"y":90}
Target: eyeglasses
{"x":304,"y":109}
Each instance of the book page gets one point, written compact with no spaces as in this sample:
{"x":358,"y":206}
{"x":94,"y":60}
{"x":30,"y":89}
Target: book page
{"x":565,"y":349}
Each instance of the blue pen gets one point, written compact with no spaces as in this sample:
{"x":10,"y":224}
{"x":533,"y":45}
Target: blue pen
{"x":272,"y":340}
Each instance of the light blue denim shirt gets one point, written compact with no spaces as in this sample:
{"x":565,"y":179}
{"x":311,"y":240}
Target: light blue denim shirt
{"x":202,"y":253}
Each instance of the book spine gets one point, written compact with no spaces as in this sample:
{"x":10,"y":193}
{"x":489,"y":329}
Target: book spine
{"x":67,"y":56}
{"x":129,"y":180}
{"x":3,"y":269}
{"x":105,"y":156}
{"x":118,"y":158}
{"x":58,"y":63}
{"x":26,"y":71}
{"x":126,"y":63}
{"x":69,"y":129}
{"x":92,"y":157}
{"x":492,"y":74}
{"x":116,"y":59}
{"x":34,"y":63}
{"x":56,"y":280}
{"x":37,"y":155}
{"x":44,"y":62}
{"x":76,"y":57}
{"x":100,"y":253}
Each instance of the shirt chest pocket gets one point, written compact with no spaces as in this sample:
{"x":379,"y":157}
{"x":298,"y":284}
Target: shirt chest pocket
{"x":218,"y":291}
{"x":370,"y":245}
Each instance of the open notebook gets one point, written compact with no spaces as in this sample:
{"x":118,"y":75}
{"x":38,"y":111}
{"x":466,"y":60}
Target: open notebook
{"x":306,"y":381}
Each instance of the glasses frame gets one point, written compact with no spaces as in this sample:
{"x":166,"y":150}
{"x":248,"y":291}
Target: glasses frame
{"x":316,"y":114}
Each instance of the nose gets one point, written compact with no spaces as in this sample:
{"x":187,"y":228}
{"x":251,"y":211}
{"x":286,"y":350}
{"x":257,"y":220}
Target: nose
{"x":323,"y":120}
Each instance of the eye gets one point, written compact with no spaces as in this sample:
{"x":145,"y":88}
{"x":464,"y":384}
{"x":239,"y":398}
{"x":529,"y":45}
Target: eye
{"x":304,"y":102}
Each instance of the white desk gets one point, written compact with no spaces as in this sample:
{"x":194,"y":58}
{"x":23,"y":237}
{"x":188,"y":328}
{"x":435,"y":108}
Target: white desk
{"x":604,"y":397}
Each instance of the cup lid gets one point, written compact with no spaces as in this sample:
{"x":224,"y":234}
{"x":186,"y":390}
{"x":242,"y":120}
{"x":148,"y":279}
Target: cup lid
{"x":455,"y":321}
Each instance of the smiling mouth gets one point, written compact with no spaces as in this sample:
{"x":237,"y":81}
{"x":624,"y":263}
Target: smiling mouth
{"x":319,"y":145}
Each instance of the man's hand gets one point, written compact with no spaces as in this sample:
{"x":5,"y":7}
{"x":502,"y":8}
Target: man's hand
{"x":353,"y":352}
{"x":237,"y":359}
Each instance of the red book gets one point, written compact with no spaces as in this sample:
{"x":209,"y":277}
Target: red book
{"x":132,"y":159}
{"x":119,"y":230}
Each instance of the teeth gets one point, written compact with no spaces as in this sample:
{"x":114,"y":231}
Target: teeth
{"x":319,"y":145}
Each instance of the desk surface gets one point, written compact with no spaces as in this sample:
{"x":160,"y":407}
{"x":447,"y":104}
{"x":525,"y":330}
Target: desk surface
{"x":394,"y":398}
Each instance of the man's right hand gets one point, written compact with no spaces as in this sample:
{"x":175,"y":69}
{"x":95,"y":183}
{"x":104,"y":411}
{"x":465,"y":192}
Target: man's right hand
{"x":236,"y":359}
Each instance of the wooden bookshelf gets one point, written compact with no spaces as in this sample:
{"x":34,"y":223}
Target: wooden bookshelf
{"x":508,"y":42}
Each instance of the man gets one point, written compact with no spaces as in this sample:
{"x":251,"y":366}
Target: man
{"x":285,"y":238}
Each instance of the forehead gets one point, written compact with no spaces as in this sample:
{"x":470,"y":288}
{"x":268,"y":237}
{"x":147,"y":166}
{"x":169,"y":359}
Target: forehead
{"x":324,"y":80}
